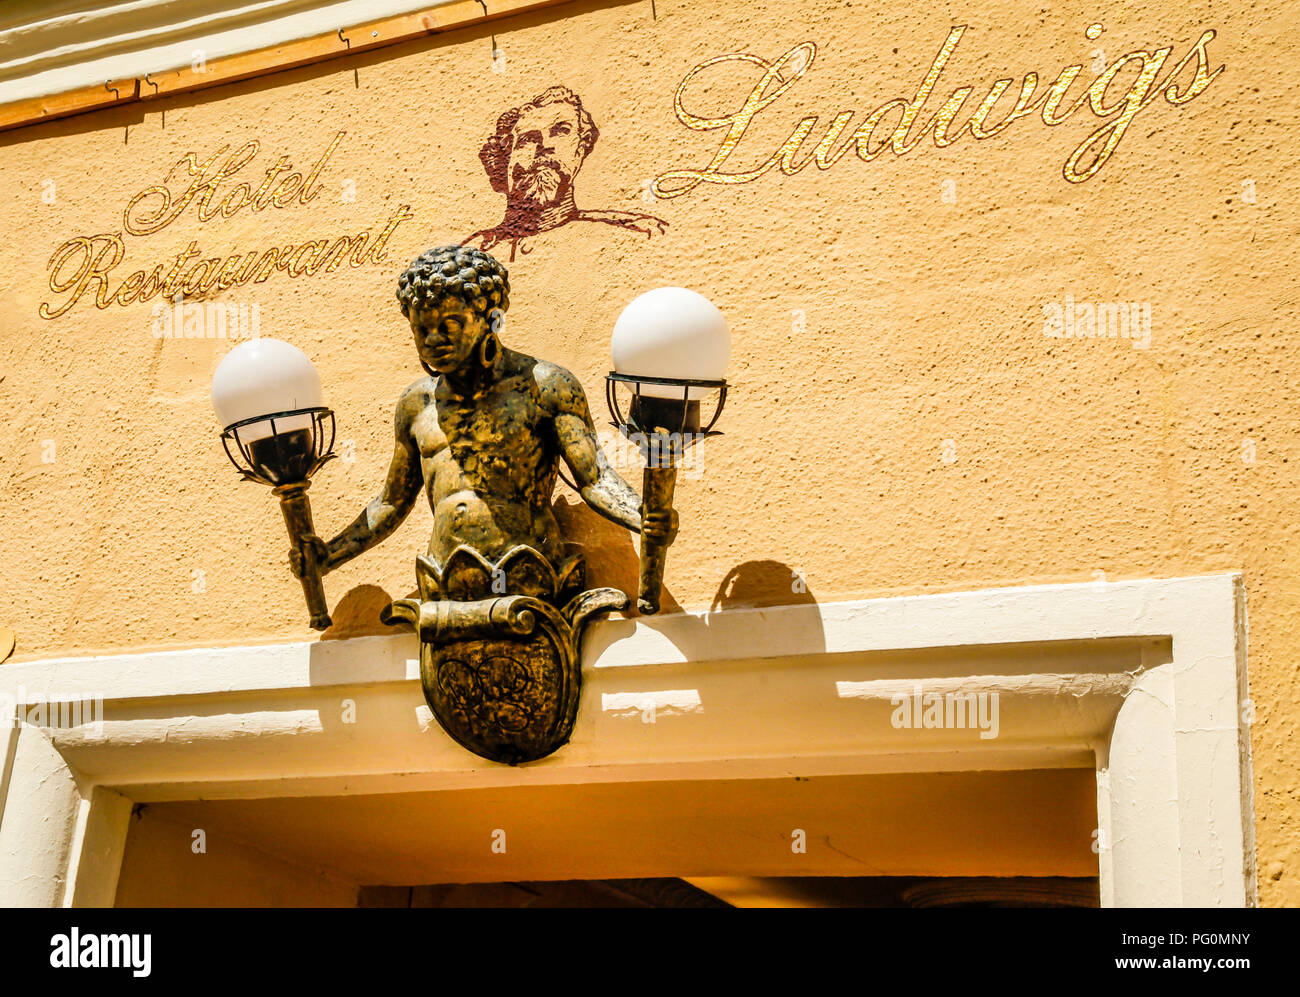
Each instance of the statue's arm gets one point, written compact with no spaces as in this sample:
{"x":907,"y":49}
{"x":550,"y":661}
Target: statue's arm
{"x":600,"y":485}
{"x":401,"y":488}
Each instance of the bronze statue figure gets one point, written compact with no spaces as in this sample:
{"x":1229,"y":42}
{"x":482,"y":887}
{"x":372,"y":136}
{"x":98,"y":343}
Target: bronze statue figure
{"x":533,"y":158}
{"x":502,"y":605}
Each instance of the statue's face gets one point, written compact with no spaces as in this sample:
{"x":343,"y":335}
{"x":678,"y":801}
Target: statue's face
{"x":546,"y":155}
{"x":447,"y":337}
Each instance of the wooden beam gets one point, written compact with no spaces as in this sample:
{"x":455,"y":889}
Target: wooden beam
{"x":60,"y":105}
{"x":262,"y":62}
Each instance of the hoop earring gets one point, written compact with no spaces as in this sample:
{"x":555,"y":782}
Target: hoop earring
{"x":487,"y":350}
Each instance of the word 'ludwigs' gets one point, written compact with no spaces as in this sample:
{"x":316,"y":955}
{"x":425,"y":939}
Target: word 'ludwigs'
{"x":1103,"y":97}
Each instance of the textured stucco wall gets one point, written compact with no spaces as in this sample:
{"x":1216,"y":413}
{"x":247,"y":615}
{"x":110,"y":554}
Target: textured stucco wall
{"x":900,"y":422}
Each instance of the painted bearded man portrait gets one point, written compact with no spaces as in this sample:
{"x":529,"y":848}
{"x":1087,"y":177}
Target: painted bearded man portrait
{"x":534,"y":159}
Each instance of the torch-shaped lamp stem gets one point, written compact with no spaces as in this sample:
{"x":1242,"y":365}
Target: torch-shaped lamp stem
{"x":296,"y":508}
{"x":657,"y":486}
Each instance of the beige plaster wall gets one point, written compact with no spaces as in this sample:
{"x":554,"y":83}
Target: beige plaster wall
{"x":900,"y":421}
{"x":172,"y":862}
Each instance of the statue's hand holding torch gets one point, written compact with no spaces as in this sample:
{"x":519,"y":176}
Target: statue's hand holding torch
{"x":308,"y":560}
{"x":658,"y":530}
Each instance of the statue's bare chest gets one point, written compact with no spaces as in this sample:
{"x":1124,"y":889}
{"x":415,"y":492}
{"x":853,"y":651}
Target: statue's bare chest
{"x":503,"y":430}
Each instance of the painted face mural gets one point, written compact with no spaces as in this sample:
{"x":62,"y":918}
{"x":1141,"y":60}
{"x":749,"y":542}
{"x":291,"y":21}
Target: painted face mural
{"x":547,"y":153}
{"x":534,"y":158}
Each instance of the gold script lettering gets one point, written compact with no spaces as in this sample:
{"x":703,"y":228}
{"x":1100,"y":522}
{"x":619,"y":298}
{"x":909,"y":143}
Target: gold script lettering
{"x":736,"y":123}
{"x":1083,"y":163}
{"x":140,"y":219}
{"x":86,"y":262}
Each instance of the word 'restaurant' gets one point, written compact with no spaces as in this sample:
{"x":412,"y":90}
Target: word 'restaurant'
{"x":83,"y":265}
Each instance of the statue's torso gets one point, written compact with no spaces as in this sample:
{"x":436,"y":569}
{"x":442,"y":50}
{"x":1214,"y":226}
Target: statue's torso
{"x":489,"y":467}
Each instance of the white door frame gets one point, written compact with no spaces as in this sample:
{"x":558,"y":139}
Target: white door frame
{"x":1146,"y":680}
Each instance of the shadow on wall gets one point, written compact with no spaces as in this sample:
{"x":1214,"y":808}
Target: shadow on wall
{"x":759,"y":584}
{"x":357,"y":614}
{"x":610,"y":551}
{"x":753,"y":585}
{"x":612,"y":560}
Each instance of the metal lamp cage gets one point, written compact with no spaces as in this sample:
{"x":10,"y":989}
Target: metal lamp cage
{"x":290,"y":454}
{"x":627,"y":422}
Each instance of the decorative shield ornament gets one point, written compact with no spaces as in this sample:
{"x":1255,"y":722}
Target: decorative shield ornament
{"x":502,"y":674}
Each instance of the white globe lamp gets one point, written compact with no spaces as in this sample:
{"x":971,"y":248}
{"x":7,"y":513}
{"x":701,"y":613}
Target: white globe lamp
{"x":277,"y":430}
{"x":670,"y":348}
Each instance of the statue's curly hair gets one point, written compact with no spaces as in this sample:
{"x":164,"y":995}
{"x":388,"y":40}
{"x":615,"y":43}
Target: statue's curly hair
{"x":495,"y":153}
{"x":476,"y":277}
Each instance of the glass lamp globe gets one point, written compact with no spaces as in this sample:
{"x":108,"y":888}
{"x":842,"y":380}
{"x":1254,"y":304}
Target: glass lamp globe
{"x":671,"y":347}
{"x":267,"y":396}
{"x":264,"y":377}
{"x":671,"y":333}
